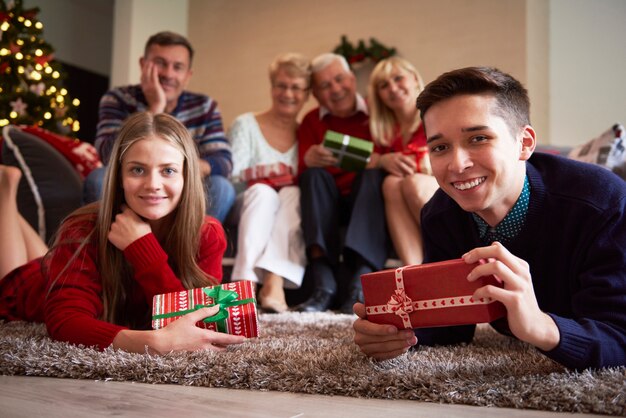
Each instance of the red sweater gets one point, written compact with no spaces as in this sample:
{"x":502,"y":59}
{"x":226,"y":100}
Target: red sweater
{"x":74,"y":305}
{"x":415,"y":146}
{"x":312,"y":130}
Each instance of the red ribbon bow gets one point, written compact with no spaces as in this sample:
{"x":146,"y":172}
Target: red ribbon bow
{"x":400,"y":303}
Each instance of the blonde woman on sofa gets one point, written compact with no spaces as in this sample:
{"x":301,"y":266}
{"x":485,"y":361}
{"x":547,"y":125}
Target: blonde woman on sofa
{"x":397,"y":130}
{"x":270,"y":248}
{"x":148,"y":235}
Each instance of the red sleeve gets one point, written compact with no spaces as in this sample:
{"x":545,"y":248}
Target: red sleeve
{"x":151,"y":270}
{"x":308,"y":135}
{"x":212,"y":247}
{"x":74,"y":302}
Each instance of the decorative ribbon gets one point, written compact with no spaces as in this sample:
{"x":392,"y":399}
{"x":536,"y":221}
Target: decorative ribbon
{"x":222,"y":297}
{"x":401,"y":304}
{"x":345,"y":152}
{"x":265,"y":170}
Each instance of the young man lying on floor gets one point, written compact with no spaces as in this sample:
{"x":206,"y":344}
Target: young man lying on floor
{"x":551,"y":229}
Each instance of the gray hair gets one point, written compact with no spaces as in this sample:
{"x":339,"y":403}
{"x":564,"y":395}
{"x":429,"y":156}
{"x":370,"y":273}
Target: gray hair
{"x":324,"y":60}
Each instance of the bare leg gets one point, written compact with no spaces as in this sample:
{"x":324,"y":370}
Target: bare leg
{"x":272,"y":295}
{"x":35,"y":247}
{"x":417,"y":191}
{"x":403,"y":230}
{"x":19,"y":244}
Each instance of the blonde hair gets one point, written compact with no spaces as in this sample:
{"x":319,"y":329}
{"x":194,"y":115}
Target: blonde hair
{"x":382,"y":119}
{"x":294,"y":64}
{"x":183,"y":239}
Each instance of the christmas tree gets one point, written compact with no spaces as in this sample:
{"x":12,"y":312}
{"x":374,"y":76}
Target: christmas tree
{"x":31,"y":81}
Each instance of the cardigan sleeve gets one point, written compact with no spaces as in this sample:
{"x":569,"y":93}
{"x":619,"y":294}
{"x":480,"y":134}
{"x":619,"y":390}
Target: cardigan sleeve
{"x":240,"y":139}
{"x":594,"y":335}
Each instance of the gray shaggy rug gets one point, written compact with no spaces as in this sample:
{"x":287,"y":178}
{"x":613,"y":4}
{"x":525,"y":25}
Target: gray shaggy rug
{"x":314,"y":353}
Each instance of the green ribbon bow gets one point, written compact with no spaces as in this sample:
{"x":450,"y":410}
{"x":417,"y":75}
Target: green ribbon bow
{"x":222,"y":297}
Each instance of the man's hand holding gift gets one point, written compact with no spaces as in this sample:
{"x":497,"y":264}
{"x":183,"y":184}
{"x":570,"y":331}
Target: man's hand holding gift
{"x":526,"y":321}
{"x":319,"y":156}
{"x":380,"y":341}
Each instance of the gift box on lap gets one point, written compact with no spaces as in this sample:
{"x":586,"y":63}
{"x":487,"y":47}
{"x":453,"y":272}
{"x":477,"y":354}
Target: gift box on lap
{"x":428,"y":295}
{"x":353,"y":153}
{"x":261,"y":171}
{"x":276,"y":175}
{"x":237,"y":315}
{"x":421,"y":158}
{"x":276,"y":182}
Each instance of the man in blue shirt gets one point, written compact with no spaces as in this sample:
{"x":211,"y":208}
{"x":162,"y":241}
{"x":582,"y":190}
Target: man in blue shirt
{"x":165,"y":73}
{"x":551,"y":229}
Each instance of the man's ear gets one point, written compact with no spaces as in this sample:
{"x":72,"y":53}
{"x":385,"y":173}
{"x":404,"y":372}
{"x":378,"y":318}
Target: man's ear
{"x":141,"y":61}
{"x":528,"y":142}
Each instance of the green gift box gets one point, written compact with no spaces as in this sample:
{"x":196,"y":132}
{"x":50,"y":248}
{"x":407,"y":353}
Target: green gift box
{"x":353,"y":153}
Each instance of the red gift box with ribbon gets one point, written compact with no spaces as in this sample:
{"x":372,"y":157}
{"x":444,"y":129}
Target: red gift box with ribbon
{"x":276,"y":175}
{"x":237,"y":314}
{"x":421,"y":157}
{"x":428,"y":295}
{"x":276,"y":182}
{"x":262,"y":171}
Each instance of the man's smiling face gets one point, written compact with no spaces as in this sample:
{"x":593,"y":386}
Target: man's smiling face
{"x":475,"y":157}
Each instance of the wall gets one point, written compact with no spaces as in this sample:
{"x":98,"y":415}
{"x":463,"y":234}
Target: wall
{"x":80,"y":31}
{"x":236,"y":40}
{"x":135,"y":22}
{"x":538,"y":65}
{"x":587,"y":75}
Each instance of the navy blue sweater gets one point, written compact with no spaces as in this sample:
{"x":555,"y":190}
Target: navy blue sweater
{"x":574,"y":240}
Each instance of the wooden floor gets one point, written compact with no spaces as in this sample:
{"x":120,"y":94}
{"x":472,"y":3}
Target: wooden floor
{"x":26,"y":396}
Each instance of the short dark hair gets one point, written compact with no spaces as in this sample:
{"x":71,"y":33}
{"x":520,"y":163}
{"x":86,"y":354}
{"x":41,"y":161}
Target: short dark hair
{"x":512,"y":100}
{"x":167,"y":38}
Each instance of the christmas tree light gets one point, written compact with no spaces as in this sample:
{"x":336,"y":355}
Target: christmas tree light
{"x":31,"y":81}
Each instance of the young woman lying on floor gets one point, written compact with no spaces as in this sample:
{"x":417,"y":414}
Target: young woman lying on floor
{"x":148,"y":235}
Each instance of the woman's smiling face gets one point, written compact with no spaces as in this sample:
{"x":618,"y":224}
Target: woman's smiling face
{"x":152,"y":178}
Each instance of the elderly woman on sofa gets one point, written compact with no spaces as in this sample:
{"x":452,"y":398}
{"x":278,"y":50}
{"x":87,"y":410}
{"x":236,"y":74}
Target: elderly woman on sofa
{"x":270,"y":249}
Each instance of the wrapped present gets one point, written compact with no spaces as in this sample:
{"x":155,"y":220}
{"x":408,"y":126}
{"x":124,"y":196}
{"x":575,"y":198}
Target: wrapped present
{"x":237,"y":314}
{"x":428,"y":295}
{"x":262,"y":171}
{"x":421,"y":158}
{"x":353,"y":153}
{"x":277,"y":182}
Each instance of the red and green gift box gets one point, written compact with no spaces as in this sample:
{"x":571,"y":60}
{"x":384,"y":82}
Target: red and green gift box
{"x":276,"y":175}
{"x":353,"y":153}
{"x":237,"y":314}
{"x":421,"y":157}
{"x":428,"y":295}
